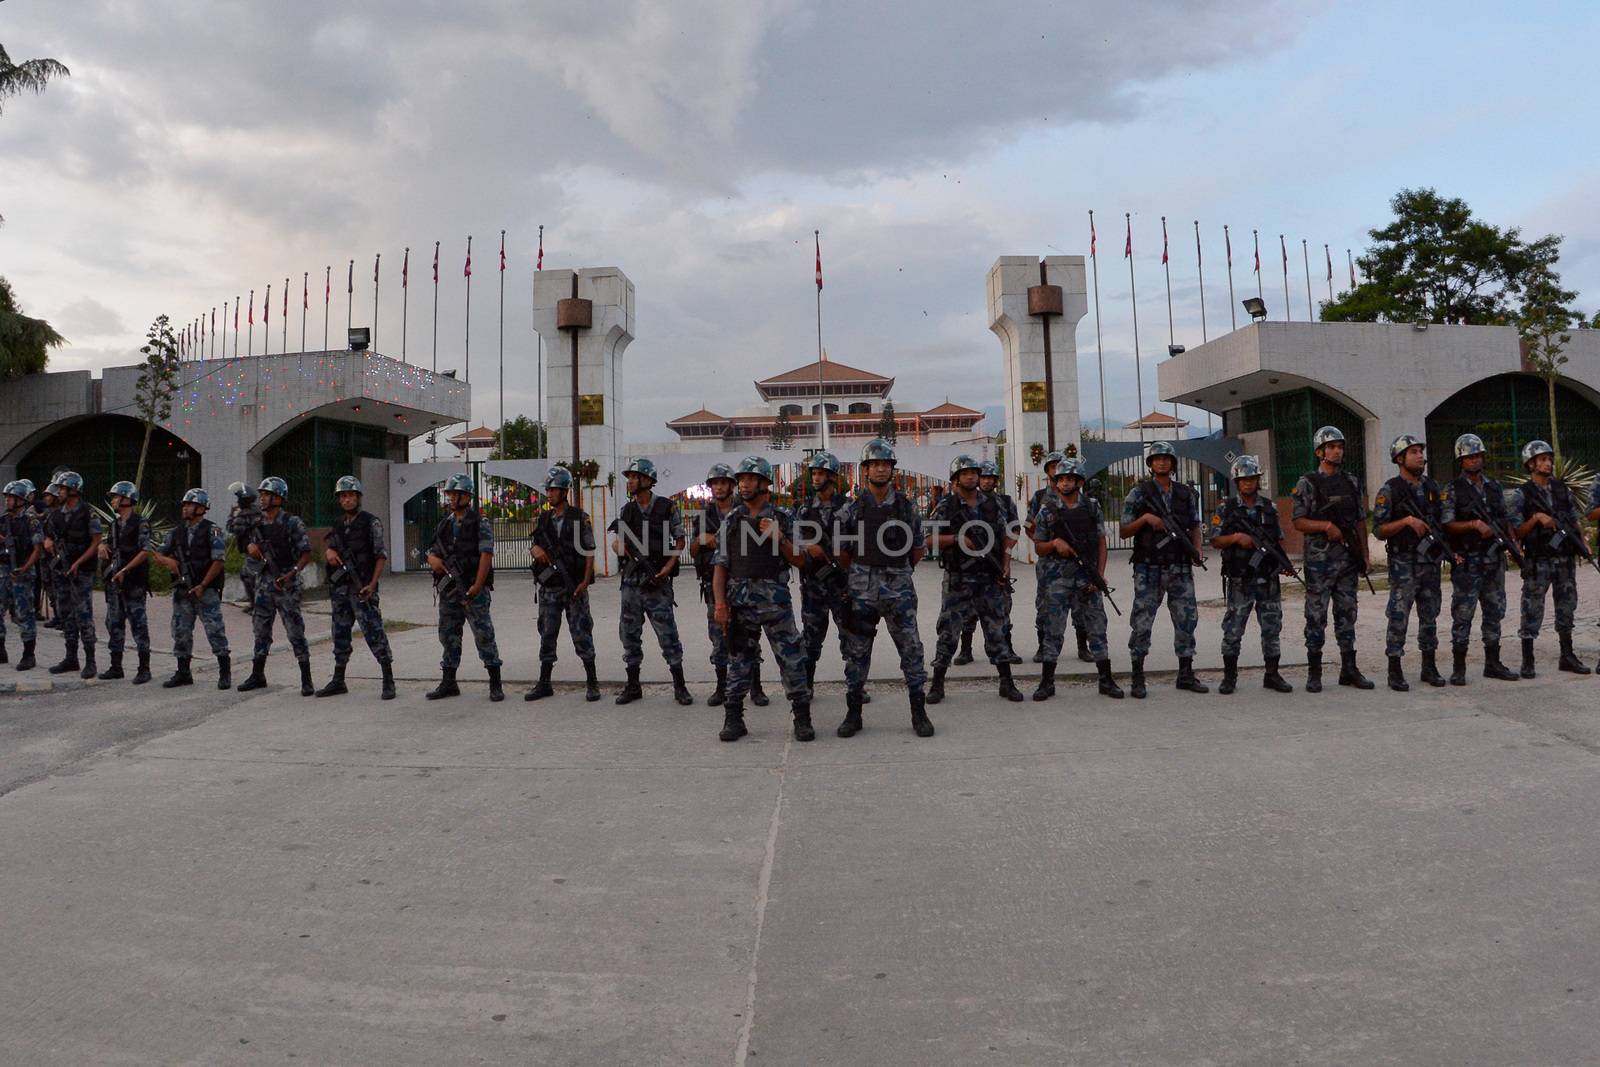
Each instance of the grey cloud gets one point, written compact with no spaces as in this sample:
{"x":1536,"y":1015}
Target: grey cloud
{"x":87,"y":317}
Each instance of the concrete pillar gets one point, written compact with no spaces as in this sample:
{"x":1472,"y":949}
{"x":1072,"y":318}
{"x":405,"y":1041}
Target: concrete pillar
{"x":586,"y":319}
{"x":1034,"y":308}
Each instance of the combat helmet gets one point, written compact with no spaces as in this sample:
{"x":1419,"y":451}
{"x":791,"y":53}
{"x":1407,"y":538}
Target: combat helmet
{"x":757,"y":466}
{"x":963,"y":463}
{"x":1402,"y":444}
{"x":824,"y":460}
{"x":1245,"y":467}
{"x":273,"y":484}
{"x":719,"y":471}
{"x":1326,"y":435}
{"x":459,"y":483}
{"x":1469,"y":444}
{"x":198,"y":496}
{"x":125,"y":488}
{"x":1533,"y":449}
{"x":1159,"y":448}
{"x":642,"y":467}
{"x":876,"y":449}
{"x":348,"y":484}
{"x":558,"y":478}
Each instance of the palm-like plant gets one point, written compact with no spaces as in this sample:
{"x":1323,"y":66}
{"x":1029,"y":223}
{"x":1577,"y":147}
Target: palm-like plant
{"x":25,"y":342}
{"x":29,"y":76}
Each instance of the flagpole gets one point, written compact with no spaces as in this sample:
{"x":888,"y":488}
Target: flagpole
{"x":1351,"y":263}
{"x":1200,"y":267}
{"x":405,"y":301}
{"x":1099,"y":344}
{"x":1138,"y":374}
{"x":286,"y":314}
{"x":1172,"y":339}
{"x":377,"y":261}
{"x":236,"y":326}
{"x":349,"y":296}
{"x":434,"y":437}
{"x":1328,"y":255}
{"x":1233,"y":315}
{"x":1256,"y":236}
{"x":500,"y":436}
{"x":213,"y":351}
{"x":1305,"y":259}
{"x":266,"y":322}
{"x":327,"y":298}
{"x":1288,"y":315}
{"x":466,"y":373}
{"x":538,"y":380}
{"x":250,"y":339}
{"x":822,"y":396}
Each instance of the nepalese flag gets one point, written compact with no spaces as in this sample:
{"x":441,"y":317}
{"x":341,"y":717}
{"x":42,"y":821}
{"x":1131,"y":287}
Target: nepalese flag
{"x":538,"y":264}
{"x":236,"y":318}
{"x":327,"y":286}
{"x":250,"y":315}
{"x":266,"y":307}
{"x":1227,"y":243}
{"x":1163,"y":240}
{"x":377,"y":260}
{"x":1091,"y":235}
{"x":1258,"y":254}
{"x":305,"y":293}
{"x":818,"y":239}
{"x":436,"y":263}
{"x":286,"y":298}
{"x":1127,"y":249}
{"x":405,"y":270}
{"x":350,"y":278}
{"x":502,"y":251}
{"x":466,"y":271}
{"x":1328,"y":254}
{"x":1352,"y":268}
{"x":1285,"y":251}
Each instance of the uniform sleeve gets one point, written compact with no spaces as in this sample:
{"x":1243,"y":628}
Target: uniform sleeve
{"x":1361,"y":499}
{"x":1301,"y":496}
{"x":1382,"y":509}
{"x":719,"y":558}
{"x":918,"y":541}
{"x":37,"y":537}
{"x":1214,"y":528}
{"x":380,"y":547}
{"x":95,"y":528}
{"x":1571,"y":512}
{"x":845,"y":520}
{"x":485,"y":536}
{"x":586,"y":535}
{"x":675,"y":522}
{"x":1447,"y":503}
{"x":219,"y":549}
{"x":1133,"y":505}
{"x":169,"y":546}
{"x":1513,"y":501}
{"x":786,"y":524}
{"x":1099,"y":516}
{"x":298,"y":535}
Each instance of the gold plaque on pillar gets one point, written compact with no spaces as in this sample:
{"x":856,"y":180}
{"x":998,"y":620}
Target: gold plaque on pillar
{"x":591,"y":409}
{"x":1033,"y":397}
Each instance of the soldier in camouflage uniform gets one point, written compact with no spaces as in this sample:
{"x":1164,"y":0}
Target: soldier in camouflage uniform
{"x":973,"y":546}
{"x":243,"y":518}
{"x":45,"y":505}
{"x":356,"y":555}
{"x":1472,"y":509}
{"x":649,"y":536}
{"x":127,"y":582}
{"x":1547,"y":513}
{"x":1044,"y":570}
{"x":563,"y":565}
{"x":1162,"y":565}
{"x":19,"y":567}
{"x":281,"y":542}
{"x":1405,"y":513}
{"x":195,"y":554}
{"x":1330,"y":511}
{"x":72,"y":538}
{"x":822,"y":583}
{"x":1069,"y":527}
{"x":879,"y":543}
{"x":462,"y":560}
{"x":708,"y":520}
{"x":1251,"y":573}
{"x":755,"y":549}
{"x":989,"y":482}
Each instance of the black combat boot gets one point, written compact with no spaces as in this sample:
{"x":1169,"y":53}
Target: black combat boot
{"x":1527,"y":657}
{"x":1458,"y":664}
{"x":630,"y":689}
{"x":1230,"y":675}
{"x":181,"y":676}
{"x":720,"y":693}
{"x":680,"y":689}
{"x":69,"y":662}
{"x":964,"y":656}
{"x":1569,"y":659}
{"x":1108,"y":681}
{"x":758,"y":696}
{"x":89,"y":669}
{"x":936,"y":690}
{"x":591,"y":684}
{"x":542,"y":688}
{"x":1272,"y":680}
{"x":1038,"y":653}
{"x":27,"y":662}
{"x":1430,"y":670}
{"x":447,"y":686}
{"x":497,"y":692}
{"x":1136,"y":687}
{"x":388,"y":679}
{"x":1186,"y":677}
{"x":258,"y":675}
{"x":335,"y":686}
{"x":224,"y":672}
{"x":1313,"y":671}
{"x":733,"y":726}
{"x":920,"y":723}
{"x":1008,"y":688}
{"x":1083,"y":647}
{"x":1047,"y":681}
{"x":114,"y":671}
{"x":852,"y":716}
{"x":142,"y":675}
{"x":1397,"y":676}
{"x":803,"y":730}
{"x":1493,"y":668}
{"x":1349,"y":673}
{"x":307,"y":686}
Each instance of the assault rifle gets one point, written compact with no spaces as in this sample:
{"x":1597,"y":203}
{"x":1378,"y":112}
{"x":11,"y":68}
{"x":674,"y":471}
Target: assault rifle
{"x":1268,"y":548}
{"x":1155,"y":504}
{"x":552,"y":575}
{"x":991,"y":562}
{"x":1478,"y":508}
{"x":269,"y":566}
{"x":1434,"y":544}
{"x":1087,"y":559}
{"x":701,"y":557}
{"x":452,"y":584}
{"x":1545,"y":505}
{"x":1350,"y":532}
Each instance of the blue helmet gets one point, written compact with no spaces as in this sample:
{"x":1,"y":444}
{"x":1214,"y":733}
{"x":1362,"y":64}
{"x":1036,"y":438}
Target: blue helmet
{"x":198,"y":496}
{"x":963,"y":463}
{"x":823,"y":460}
{"x":558,"y":478}
{"x":347,"y":484}
{"x":127,"y":489}
{"x":719,"y":470}
{"x":1159,"y":448}
{"x":22,"y":489}
{"x":1052,"y":459}
{"x":878,"y":448}
{"x":71,"y":481}
{"x":988,"y":469}
{"x":1070,"y":468}
{"x":273,"y":484}
{"x":757,"y":466}
{"x":642,"y":467}
{"x":459,"y":483}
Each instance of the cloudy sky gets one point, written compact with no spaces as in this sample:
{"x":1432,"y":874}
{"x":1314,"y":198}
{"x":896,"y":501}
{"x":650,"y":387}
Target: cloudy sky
{"x":204,"y":148}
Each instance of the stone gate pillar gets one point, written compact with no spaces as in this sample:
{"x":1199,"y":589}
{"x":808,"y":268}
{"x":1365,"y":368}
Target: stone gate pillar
{"x":586,"y":320}
{"x":1034,"y":308}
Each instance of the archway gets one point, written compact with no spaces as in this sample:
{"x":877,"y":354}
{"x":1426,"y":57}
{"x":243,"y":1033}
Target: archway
{"x":105,"y":449}
{"x":1508,"y":411}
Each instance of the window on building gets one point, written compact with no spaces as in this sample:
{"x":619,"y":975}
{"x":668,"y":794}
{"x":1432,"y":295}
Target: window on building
{"x":789,"y":409}
{"x":860,"y":409}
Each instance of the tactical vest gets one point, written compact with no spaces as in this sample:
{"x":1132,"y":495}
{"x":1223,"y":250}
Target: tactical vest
{"x":128,"y":540}
{"x":192,"y":545}
{"x":353,"y":541}
{"x":1235,"y":558}
{"x":960,"y":558}
{"x":1471,"y":502}
{"x":750,"y":555}
{"x":1185,"y":511}
{"x":649,"y":536}
{"x":565,"y":548}
{"x":816,"y":520}
{"x":1537,"y":544}
{"x":1405,"y":542}
{"x":70,"y":531}
{"x":277,"y":543}
{"x":710,"y":522}
{"x":464,"y":553}
{"x":882,"y":542}
{"x":19,"y":539}
{"x":1338,"y":499}
{"x":1075,"y":525}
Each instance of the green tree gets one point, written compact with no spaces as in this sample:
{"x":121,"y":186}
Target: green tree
{"x":1436,"y":263}
{"x":25,"y":343}
{"x":157,"y":385}
{"x":521,"y":438}
{"x":29,"y":76}
{"x":782,"y":432}
{"x":888,"y":425}
{"x":1545,"y":320}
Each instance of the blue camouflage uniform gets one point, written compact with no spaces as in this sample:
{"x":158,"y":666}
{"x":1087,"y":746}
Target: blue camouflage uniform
{"x":1481,"y":578}
{"x":242,"y":519}
{"x":1333,"y":570}
{"x":462,"y":541}
{"x":196,"y":545}
{"x":759,"y":601}
{"x":823,"y":592}
{"x":1414,"y":576}
{"x":881,"y":538}
{"x":1163,"y":571}
{"x":72,"y":529}
{"x":647,"y":541}
{"x":1044,"y":570}
{"x":359,"y":541}
{"x":1068,"y":591}
{"x":973,"y":583}
{"x":283,"y":540}
{"x":21,"y":534}
{"x":710,"y":521}
{"x":568,"y":536}
{"x":1250,"y":588}
{"x":1008,"y":512}
{"x":1550,"y":567}
{"x":125,"y":600}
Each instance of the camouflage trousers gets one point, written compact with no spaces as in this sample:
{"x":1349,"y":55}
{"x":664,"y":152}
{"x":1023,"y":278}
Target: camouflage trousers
{"x":656,"y":605}
{"x":1481,"y":580}
{"x":758,"y":606}
{"x":1264,"y":596}
{"x":209,"y":608}
{"x":1047,"y":570}
{"x":817,"y":603}
{"x":1152,"y":582}
{"x":1006,"y":602}
{"x":349,"y":610}
{"x":1538,"y":575}
{"x":1337,"y":581}
{"x":882,"y":594}
{"x":719,"y":640}
{"x":967,"y":597}
{"x":456,"y":614}
{"x":75,"y":606}
{"x":1411,"y":582}
{"x":556,"y":604}
{"x":1069,"y":593}
{"x":249,"y":576}
{"x":124,"y":611}
{"x":273,"y":601}
{"x":18,"y":600}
